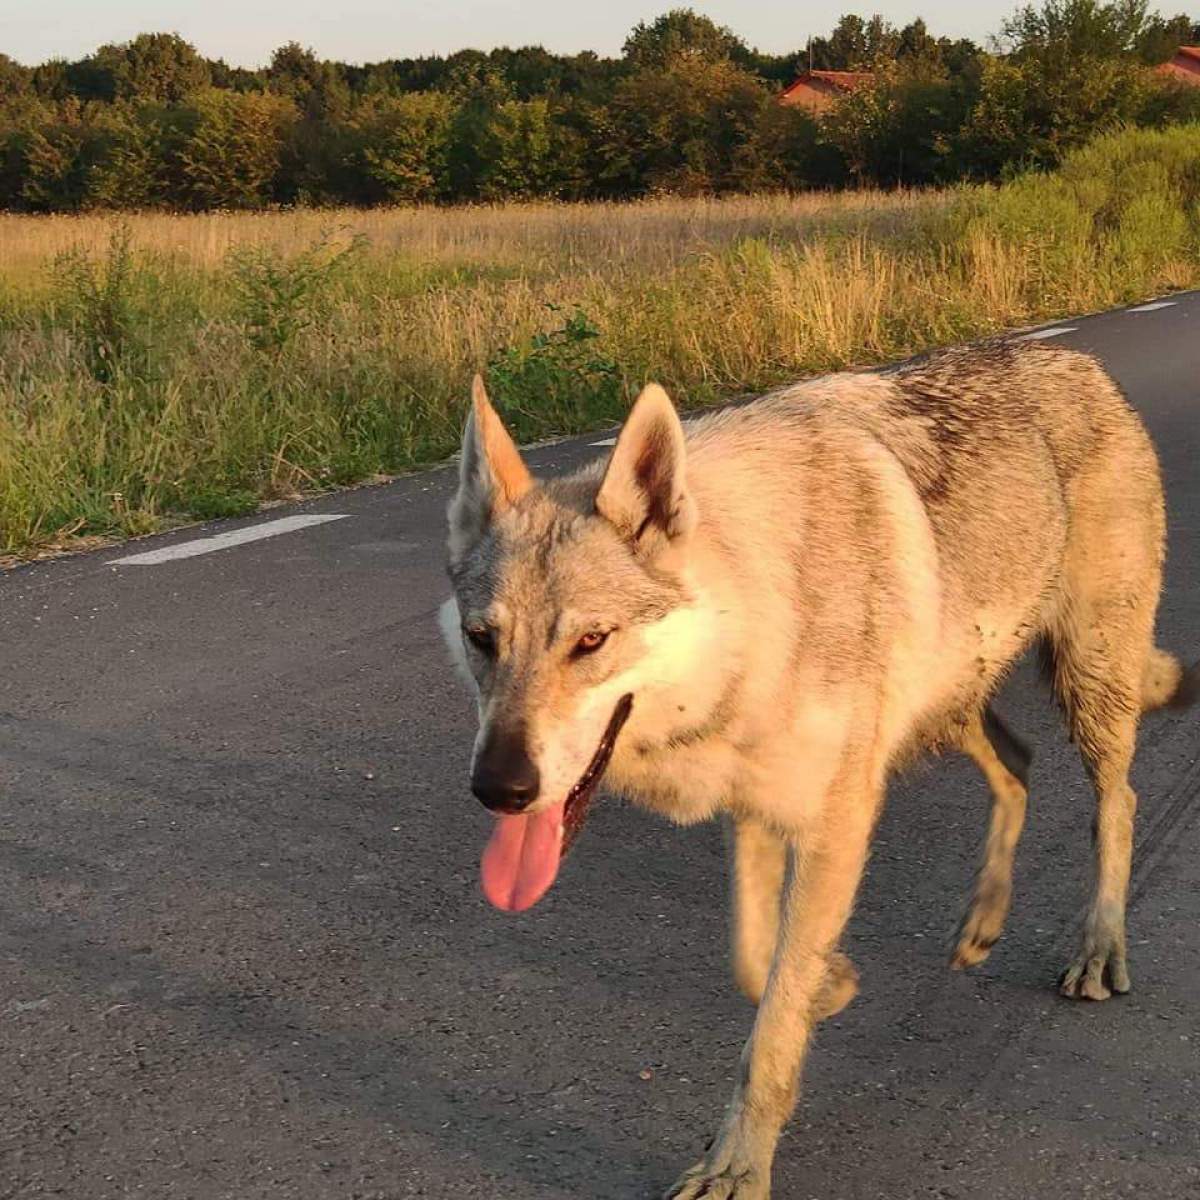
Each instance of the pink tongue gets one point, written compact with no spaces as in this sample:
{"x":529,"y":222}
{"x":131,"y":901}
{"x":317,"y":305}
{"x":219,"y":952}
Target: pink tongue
{"x":521,"y":859}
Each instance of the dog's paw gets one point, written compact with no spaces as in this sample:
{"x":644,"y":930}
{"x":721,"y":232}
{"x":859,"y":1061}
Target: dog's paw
{"x":977,"y":934}
{"x":705,"y":1182}
{"x":982,"y":924}
{"x":1099,"y":971}
{"x":839,"y":988}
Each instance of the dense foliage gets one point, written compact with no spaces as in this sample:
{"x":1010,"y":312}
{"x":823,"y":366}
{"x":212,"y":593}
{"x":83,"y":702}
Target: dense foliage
{"x":688,"y":108}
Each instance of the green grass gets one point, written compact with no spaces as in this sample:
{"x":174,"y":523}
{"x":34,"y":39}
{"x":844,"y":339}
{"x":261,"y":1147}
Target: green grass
{"x":163,"y":368}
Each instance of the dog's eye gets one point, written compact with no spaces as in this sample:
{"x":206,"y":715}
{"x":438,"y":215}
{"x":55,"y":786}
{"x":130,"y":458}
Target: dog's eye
{"x":590,"y":643}
{"x":481,"y":638}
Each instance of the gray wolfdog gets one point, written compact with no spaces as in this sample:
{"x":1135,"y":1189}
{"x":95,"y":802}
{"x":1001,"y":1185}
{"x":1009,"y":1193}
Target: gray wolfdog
{"x":763,"y":612}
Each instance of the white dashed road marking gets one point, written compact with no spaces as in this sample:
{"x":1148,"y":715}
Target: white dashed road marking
{"x":222,"y":541}
{"x":1054,"y":331}
{"x":254,"y":533}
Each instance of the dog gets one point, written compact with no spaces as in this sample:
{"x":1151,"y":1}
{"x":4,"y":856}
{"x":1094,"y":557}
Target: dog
{"x":764,"y":612}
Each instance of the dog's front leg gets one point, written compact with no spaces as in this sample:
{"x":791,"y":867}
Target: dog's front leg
{"x":757,"y":866}
{"x":818,"y":897}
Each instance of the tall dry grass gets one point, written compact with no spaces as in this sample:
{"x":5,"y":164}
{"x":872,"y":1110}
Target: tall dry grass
{"x":221,"y":359}
{"x":570,"y":236}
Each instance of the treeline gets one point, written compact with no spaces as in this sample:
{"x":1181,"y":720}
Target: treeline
{"x":688,"y":108}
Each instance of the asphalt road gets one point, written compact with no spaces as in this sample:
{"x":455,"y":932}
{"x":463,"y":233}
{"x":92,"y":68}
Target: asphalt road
{"x":243,"y":952}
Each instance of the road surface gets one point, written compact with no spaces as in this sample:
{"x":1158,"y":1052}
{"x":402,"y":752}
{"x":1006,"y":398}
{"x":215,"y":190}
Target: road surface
{"x":243,"y":952}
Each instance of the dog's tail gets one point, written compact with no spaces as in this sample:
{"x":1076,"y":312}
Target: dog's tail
{"x":1166,"y":684}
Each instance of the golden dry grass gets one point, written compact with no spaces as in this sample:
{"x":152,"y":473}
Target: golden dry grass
{"x":652,"y":232}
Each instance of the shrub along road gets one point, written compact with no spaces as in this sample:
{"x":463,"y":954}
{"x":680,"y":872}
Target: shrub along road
{"x":243,"y":952}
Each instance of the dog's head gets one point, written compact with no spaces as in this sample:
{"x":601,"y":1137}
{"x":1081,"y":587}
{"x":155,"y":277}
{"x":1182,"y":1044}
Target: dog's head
{"x":571,"y":613}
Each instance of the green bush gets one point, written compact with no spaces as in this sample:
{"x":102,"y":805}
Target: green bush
{"x":278,"y":297}
{"x":213,"y":503}
{"x":557,"y":381}
{"x":98,"y":298}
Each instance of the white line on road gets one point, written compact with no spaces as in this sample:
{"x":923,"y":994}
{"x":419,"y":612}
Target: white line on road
{"x":606,"y":442}
{"x":222,"y":541}
{"x":1054,"y":331}
{"x":1153,"y":307}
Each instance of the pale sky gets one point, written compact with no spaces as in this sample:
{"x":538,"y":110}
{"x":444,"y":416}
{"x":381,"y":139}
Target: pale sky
{"x":358,"y":31}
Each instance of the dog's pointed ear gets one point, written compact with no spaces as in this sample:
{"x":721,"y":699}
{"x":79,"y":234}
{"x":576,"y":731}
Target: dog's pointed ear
{"x":492,"y":475}
{"x":644,"y":493}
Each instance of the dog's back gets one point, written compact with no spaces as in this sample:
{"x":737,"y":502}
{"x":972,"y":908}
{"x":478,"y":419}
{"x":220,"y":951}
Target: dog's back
{"x":974,"y":500}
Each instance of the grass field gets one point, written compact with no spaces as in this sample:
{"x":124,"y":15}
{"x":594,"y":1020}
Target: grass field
{"x":155,"y":367}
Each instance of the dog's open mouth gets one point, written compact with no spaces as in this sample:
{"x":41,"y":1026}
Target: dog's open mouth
{"x":579,"y":798}
{"x":522,"y":858}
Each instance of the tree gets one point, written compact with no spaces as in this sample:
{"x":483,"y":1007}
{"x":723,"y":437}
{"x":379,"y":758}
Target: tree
{"x":466,"y":70}
{"x":1030,"y":113}
{"x":855,"y":44}
{"x":315,"y":87}
{"x":681,"y":33}
{"x":848,"y":43}
{"x":682,"y":128}
{"x":688,"y":107}
{"x":1159,"y":38}
{"x":475,"y":104}
{"x":404,"y":145}
{"x":15,"y":80}
{"x":1169,"y":102}
{"x":530,"y":71}
{"x":916,"y":42}
{"x":1062,"y":31}
{"x":236,"y":79}
{"x":51,"y":80}
{"x":155,"y":67}
{"x":790,"y":149}
{"x":311,"y":165}
{"x":51,"y":166}
{"x":517,"y":152}
{"x":778,"y":70}
{"x":999,"y":131}
{"x":125,"y":170}
{"x":52,"y":176}
{"x":902,"y":127}
{"x":580,"y":133}
{"x":1074,"y":67}
{"x":229,"y":147}
{"x":858,"y":125}
{"x":883,"y":40}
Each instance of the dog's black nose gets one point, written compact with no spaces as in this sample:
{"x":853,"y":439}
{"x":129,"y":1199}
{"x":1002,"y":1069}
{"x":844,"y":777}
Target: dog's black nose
{"x":505,"y":778}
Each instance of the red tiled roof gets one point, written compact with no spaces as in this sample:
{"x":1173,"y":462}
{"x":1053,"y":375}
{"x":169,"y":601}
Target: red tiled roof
{"x":1184,"y":67}
{"x":842,"y":81}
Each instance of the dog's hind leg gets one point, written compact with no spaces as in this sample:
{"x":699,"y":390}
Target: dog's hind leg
{"x":1106,"y":672}
{"x":1106,"y":727}
{"x":758,"y":859}
{"x":1004,"y":761}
